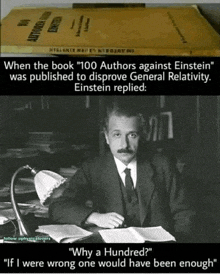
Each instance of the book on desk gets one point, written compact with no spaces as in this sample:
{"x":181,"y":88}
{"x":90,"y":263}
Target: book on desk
{"x":68,"y":233}
{"x":171,"y":30}
{"x":72,"y":233}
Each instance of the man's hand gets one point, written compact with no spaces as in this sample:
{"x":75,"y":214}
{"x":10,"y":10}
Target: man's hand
{"x":106,"y":220}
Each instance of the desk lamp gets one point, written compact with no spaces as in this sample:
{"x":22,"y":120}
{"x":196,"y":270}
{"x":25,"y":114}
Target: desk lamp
{"x":48,"y":185}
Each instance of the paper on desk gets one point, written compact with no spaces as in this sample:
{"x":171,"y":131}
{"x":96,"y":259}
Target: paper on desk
{"x":24,"y":188}
{"x":39,"y":209}
{"x":8,"y":214}
{"x":64,"y":233}
{"x":3,"y":220}
{"x":32,"y":206}
{"x":136,"y":235}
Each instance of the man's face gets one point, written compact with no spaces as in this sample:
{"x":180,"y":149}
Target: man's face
{"x":122,"y":136}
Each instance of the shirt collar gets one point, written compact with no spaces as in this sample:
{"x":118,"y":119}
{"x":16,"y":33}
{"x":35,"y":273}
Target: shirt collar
{"x":121,"y":166}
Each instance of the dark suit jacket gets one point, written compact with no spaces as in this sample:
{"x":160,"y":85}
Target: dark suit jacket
{"x":162,"y":198}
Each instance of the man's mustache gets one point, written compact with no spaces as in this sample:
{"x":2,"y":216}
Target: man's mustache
{"x":125,"y":150}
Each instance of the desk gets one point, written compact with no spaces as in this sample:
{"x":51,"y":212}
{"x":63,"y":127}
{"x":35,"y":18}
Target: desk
{"x":72,"y":232}
{"x":33,"y":214}
{"x":63,"y":232}
{"x":9,"y":230}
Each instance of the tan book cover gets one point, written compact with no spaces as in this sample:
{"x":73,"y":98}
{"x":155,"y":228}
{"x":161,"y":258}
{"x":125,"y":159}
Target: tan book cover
{"x":172,"y":30}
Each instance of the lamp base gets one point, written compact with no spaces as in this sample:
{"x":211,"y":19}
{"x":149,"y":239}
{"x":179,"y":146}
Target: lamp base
{"x":10,"y":232}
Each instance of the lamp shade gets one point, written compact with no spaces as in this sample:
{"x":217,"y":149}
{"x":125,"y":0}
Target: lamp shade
{"x":48,"y":185}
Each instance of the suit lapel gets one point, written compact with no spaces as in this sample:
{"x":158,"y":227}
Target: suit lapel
{"x":111,"y":187}
{"x":145,"y":187}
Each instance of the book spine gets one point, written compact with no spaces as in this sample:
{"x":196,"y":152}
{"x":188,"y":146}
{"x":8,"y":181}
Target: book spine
{"x":98,"y":51}
{"x":136,"y":235}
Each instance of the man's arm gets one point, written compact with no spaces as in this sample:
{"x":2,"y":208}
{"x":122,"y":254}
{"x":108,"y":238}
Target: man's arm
{"x":73,"y":206}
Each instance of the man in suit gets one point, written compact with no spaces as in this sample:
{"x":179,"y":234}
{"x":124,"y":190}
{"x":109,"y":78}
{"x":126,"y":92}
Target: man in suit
{"x":123,"y":188}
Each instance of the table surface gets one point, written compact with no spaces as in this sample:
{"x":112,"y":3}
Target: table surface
{"x":10,"y":229}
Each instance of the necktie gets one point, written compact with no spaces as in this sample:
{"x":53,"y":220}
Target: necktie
{"x":129,"y":184}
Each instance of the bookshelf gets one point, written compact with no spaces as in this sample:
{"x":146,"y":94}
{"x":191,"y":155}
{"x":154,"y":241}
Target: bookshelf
{"x":61,"y":131}
{"x":191,"y":131}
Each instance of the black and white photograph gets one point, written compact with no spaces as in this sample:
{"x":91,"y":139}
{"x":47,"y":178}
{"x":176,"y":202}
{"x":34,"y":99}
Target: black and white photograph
{"x":110,"y":137}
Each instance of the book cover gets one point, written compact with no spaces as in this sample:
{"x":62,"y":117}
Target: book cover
{"x":109,"y":31}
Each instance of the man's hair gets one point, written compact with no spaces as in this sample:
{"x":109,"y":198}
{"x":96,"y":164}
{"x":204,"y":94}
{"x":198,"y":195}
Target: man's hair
{"x":121,"y":108}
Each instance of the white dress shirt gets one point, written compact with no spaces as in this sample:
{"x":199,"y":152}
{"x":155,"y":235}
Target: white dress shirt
{"x":121,"y":168}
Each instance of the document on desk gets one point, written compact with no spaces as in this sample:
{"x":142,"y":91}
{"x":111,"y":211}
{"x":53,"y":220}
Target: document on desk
{"x":136,"y":235}
{"x":64,"y":233}
{"x":7,"y":212}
